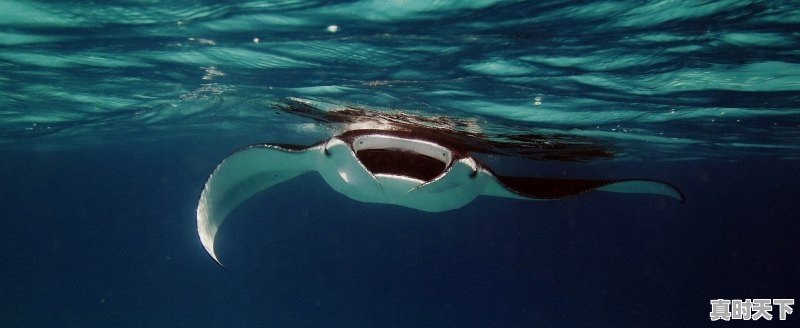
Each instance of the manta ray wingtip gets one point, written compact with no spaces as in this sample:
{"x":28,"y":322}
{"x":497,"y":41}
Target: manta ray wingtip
{"x":210,"y":251}
{"x":220,"y":264}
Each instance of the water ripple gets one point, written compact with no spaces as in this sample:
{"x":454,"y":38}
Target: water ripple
{"x":700,"y":79}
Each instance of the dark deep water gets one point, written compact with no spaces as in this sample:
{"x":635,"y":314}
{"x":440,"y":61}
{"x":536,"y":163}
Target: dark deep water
{"x":114,"y":114}
{"x":106,"y":238}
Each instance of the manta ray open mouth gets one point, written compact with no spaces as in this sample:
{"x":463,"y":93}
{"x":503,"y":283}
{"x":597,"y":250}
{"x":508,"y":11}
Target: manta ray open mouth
{"x":401,"y":162}
{"x":411,"y":158}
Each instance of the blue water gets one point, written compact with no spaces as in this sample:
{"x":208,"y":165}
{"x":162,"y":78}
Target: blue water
{"x":114,"y":113}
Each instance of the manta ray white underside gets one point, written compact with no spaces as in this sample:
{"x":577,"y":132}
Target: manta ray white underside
{"x":386,"y":167}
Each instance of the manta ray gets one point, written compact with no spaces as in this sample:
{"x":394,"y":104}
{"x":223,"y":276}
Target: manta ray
{"x":401,"y":160}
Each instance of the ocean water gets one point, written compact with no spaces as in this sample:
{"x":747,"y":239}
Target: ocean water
{"x":114,"y":113}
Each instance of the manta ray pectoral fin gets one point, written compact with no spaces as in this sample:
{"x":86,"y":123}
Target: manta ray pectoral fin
{"x":547,"y":188}
{"x":243,"y":174}
{"x":652,"y":187}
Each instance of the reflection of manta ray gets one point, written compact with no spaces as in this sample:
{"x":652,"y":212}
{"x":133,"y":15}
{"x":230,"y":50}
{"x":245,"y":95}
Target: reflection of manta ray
{"x":412,"y":163}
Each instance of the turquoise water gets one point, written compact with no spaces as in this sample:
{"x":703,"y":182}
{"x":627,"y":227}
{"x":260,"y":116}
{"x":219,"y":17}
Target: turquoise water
{"x":673,"y":79}
{"x":114,"y":113}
